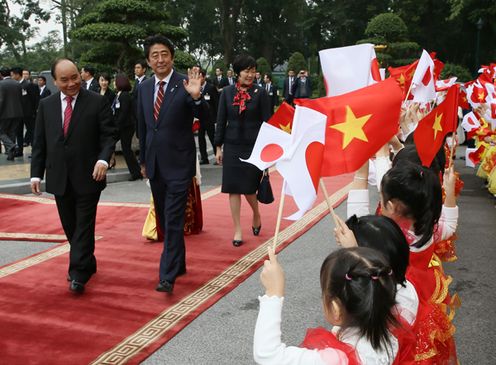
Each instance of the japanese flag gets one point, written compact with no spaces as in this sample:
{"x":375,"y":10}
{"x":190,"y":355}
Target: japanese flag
{"x":423,"y":86}
{"x":470,"y":122}
{"x":301,"y":166}
{"x":442,"y":85}
{"x":271,"y":144}
{"x":349,"y":68}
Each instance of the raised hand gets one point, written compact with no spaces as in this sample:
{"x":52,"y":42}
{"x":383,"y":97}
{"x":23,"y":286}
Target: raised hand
{"x":343,"y":235}
{"x":193,"y":84}
{"x":272,"y":276}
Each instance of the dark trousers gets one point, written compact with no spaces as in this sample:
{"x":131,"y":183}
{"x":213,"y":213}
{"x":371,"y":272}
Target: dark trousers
{"x":209,"y":129}
{"x":170,"y":199}
{"x":77,"y":213}
{"x":126,"y":136}
{"x":29,"y":123}
{"x":8,"y":131}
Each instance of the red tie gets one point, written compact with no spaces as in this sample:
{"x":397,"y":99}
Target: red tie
{"x":158,"y":100}
{"x":67,"y":114}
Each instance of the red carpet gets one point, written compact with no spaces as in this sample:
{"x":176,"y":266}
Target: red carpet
{"x":121,"y":318}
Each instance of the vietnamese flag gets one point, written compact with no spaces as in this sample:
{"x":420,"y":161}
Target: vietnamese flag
{"x":462,"y":99}
{"x":358,"y":124}
{"x":431,"y":130}
{"x":404,"y":75}
{"x":283,"y":117}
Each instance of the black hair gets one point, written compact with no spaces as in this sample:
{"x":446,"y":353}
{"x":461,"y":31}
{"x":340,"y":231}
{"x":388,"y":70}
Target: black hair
{"x":419,"y":191}
{"x":142,"y":63}
{"x":56,"y":62}
{"x":106,"y":76}
{"x":383,"y":234}
{"x":242,"y":62}
{"x":268,"y":76}
{"x":122,"y":82}
{"x":16,"y":70}
{"x":42,"y":77}
{"x":439,"y":160}
{"x":4,"y":71}
{"x":360,"y":278}
{"x":409,"y":153}
{"x":158,"y":39}
{"x":89,"y":69}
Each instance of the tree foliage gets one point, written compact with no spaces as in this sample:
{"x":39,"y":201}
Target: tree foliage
{"x":297,"y":62}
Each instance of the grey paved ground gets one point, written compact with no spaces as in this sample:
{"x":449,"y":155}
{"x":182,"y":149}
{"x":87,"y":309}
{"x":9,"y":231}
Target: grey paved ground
{"x":223,"y":334}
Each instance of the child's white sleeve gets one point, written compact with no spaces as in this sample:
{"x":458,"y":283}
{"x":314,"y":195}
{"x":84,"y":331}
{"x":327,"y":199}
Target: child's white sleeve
{"x":358,"y":203}
{"x":408,"y":302}
{"x":382,"y":165}
{"x":448,"y":222}
{"x":269,"y":350}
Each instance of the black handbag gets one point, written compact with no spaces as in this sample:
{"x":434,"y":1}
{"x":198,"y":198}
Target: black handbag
{"x":264,"y":193}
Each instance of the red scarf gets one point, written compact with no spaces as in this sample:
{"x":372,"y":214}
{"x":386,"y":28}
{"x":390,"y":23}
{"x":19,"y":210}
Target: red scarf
{"x":241,"y":98}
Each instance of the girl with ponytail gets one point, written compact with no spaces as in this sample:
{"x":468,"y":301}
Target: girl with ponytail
{"x":358,"y":295}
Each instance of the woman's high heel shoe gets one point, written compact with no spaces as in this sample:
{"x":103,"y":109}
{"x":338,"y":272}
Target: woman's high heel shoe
{"x":256,"y":230}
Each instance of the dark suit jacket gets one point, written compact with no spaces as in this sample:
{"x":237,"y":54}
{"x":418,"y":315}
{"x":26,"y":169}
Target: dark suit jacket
{"x":219,"y":84}
{"x":233,"y":128}
{"x":30,"y":98}
{"x":10,"y":99}
{"x":303,"y":89}
{"x":209,"y":111}
{"x":273,"y":97}
{"x":123,"y":110}
{"x":46,"y":92}
{"x":285,"y":90}
{"x":94,"y":86}
{"x":91,"y":137}
{"x":168,"y":143}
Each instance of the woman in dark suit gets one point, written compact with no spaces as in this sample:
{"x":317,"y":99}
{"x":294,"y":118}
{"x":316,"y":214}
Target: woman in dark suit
{"x":243,"y":108}
{"x":122,"y":106}
{"x":105,"y":90}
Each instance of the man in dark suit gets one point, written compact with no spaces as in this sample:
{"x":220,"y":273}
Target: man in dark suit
{"x":88,"y":75}
{"x":230,"y":79}
{"x":167,"y":104}
{"x":10,"y":111}
{"x":289,"y":87}
{"x":44,"y":91}
{"x":208,"y":117}
{"x":271,"y":92}
{"x":303,"y":87}
{"x":74,"y":139}
{"x":30,"y":106}
{"x":258,"y":79}
{"x":219,"y":80}
{"x":139,"y":76}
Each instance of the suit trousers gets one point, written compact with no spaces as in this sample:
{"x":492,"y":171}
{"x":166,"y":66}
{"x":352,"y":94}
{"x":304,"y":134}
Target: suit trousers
{"x":209,"y":129}
{"x":8,"y":130}
{"x":170,"y":199}
{"x":77,"y":213}
{"x":126,"y":136}
{"x":29,"y":123}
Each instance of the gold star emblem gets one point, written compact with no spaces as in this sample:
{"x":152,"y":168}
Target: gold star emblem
{"x":352,"y":127}
{"x":437,"y":124}
{"x":401,"y":79}
{"x":286,"y":128}
{"x":481,"y":96}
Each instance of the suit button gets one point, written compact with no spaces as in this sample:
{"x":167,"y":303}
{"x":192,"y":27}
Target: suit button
{"x":155,"y":129}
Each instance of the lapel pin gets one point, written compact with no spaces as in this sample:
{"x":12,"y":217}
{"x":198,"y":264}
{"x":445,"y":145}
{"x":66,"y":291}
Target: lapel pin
{"x":256,"y":90}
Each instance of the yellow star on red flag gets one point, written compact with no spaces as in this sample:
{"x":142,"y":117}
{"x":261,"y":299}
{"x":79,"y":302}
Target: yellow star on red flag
{"x":352,"y":127}
{"x":437,"y":124}
{"x":286,"y":128}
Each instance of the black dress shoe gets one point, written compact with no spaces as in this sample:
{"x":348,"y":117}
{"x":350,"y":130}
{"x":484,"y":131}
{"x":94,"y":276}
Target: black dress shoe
{"x":165,"y":287}
{"x":76,"y":287}
{"x":237,"y":243}
{"x":18,"y":153}
{"x":256,"y":230}
{"x":204,"y":162}
{"x":11,"y":154}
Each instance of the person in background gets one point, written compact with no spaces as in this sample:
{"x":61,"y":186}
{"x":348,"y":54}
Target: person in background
{"x":10,"y":111}
{"x":208,"y":117}
{"x":104,"y":82}
{"x":89,"y":82}
{"x":303,"y":87}
{"x":44,"y":90}
{"x":272,"y":92}
{"x":243,"y":108}
{"x":289,"y":87}
{"x":122,"y":107}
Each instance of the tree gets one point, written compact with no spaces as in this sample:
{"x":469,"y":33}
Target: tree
{"x":297,"y":62}
{"x":116,"y":27}
{"x":263,"y":66}
{"x":16,"y":30}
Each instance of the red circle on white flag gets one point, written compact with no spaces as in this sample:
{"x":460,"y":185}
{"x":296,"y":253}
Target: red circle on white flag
{"x":271,"y":152}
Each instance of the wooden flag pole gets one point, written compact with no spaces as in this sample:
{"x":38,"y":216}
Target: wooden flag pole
{"x":409,"y":91}
{"x":279,"y":216}
{"x":329,"y":205}
{"x":452,"y":151}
